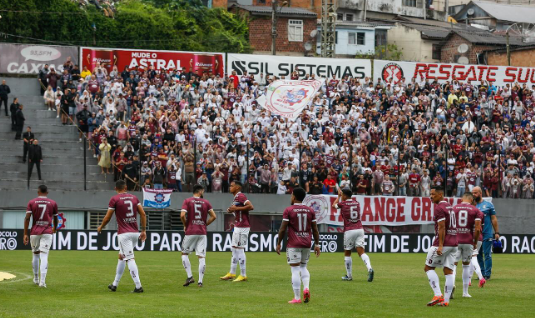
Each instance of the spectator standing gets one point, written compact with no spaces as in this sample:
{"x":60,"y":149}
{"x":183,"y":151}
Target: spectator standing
{"x":461,"y":182}
{"x":13,"y":111}
{"x":388,"y":186}
{"x":4,"y":95}
{"x":158,"y":176}
{"x":82,"y":117}
{"x":425,"y":184}
{"x":52,"y":77}
{"x":105,"y":157}
{"x":19,"y":116}
{"x":35,"y":157}
{"x":28,"y":138}
{"x":41,"y":77}
{"x":414,"y":183}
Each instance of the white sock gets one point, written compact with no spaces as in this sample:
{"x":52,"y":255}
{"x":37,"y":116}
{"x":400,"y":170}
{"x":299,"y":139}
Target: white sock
{"x":35,"y":266}
{"x":242,"y":260}
{"x":366,"y":261}
{"x":233,"y":261}
{"x":132,"y":267}
{"x":466,"y":278}
{"x":187,"y":265}
{"x":44,"y":266}
{"x":296,"y":281}
{"x":305,"y":276}
{"x":477,"y":268}
{"x":454,"y":273}
{"x":448,"y":287}
{"x":119,"y":272}
{"x":434,"y":282}
{"x":349,"y":266}
{"x":202,"y":268}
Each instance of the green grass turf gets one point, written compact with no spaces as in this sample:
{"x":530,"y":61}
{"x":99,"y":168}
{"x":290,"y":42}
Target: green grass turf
{"x":77,"y":287}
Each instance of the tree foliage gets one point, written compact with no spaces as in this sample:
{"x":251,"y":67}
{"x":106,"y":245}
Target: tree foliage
{"x":184,"y":25}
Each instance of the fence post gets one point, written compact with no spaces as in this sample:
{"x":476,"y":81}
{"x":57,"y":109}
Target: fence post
{"x":447,"y":170}
{"x":85,"y":162}
{"x":399,"y":172}
{"x":247,"y":178}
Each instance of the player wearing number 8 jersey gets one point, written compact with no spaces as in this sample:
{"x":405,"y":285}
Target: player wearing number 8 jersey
{"x":300,"y":220}
{"x":42,"y":210}
{"x":194,"y":212}
{"x":126,"y":206}
{"x":442,"y":252}
{"x":353,"y":232}
{"x":240,"y":207}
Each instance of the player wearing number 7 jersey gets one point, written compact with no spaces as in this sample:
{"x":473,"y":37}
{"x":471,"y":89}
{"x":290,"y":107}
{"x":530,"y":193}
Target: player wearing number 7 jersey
{"x":353,"y":232}
{"x":194,"y":212}
{"x":42,"y":210}
{"x":126,"y":207}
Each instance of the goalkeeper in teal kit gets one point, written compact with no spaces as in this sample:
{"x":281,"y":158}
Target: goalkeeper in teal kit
{"x":490,"y":225}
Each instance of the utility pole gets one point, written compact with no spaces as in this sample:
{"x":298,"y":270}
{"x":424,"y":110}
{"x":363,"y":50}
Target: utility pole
{"x":328,"y":28}
{"x":508,"y":50}
{"x":274,"y":5}
{"x":424,"y":9}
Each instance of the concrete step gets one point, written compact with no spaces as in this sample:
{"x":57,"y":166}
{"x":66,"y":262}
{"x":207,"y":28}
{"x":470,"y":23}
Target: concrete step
{"x":48,"y":136}
{"x":49,"y":147}
{"x":52,"y":167}
{"x":62,"y":175}
{"x":39,"y":127}
{"x":53,"y":157}
{"x":54,"y":185}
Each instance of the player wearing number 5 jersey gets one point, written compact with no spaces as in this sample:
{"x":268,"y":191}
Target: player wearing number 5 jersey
{"x":442,"y":252}
{"x":353,"y":232}
{"x":43,"y":211}
{"x":194,"y":212}
{"x":300,"y":220}
{"x":240,"y":208}
{"x":126,"y":207}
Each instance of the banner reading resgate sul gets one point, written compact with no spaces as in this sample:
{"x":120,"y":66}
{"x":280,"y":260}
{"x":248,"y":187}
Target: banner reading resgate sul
{"x":196,"y":62}
{"x":378,"y":210}
{"x":499,"y":75}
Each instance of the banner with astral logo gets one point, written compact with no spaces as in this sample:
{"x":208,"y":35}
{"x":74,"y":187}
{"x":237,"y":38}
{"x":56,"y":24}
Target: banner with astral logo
{"x":288,"y":98}
{"x":158,"y":199}
{"x":378,"y":210}
{"x":31,"y":58}
{"x":393,"y":72}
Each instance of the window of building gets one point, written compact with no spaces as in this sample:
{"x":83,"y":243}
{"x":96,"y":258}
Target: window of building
{"x":436,"y":52}
{"x":295,"y":30}
{"x":380,"y":37}
{"x":409,"y":3}
{"x":349,"y":17}
{"x":351,"y":38}
{"x":356,"y":38}
{"x":361,"y":38}
{"x":340,"y":17}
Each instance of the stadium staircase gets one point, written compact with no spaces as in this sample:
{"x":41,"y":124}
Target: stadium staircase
{"x":63,"y":155}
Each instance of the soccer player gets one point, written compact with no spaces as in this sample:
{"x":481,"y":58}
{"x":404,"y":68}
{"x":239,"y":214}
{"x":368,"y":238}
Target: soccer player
{"x":126,"y":207}
{"x":194,"y":213}
{"x":43,"y":211}
{"x":468,"y":219}
{"x":490,"y":223}
{"x":474,"y":264}
{"x":442,"y":253}
{"x":300,"y":220}
{"x":240,"y":208}
{"x":353,"y":232}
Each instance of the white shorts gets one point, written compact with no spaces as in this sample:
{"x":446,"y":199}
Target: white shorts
{"x":297,"y":255}
{"x":478,"y":246}
{"x":195,"y":243}
{"x":127,"y":242}
{"x":447,"y":259}
{"x":464,"y":253}
{"x":240,"y":236}
{"x":41,"y":243}
{"x":353,"y":238}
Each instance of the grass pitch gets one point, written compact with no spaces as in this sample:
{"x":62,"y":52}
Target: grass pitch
{"x":77,"y":287}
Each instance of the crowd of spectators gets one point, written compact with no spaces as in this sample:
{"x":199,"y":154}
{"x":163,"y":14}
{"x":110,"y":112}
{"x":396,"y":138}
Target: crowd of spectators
{"x":174,"y":128}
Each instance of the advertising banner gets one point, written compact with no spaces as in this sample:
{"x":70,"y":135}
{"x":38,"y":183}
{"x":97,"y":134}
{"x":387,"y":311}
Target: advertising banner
{"x":169,"y":241}
{"x":29,"y":59}
{"x":285,"y":65}
{"x":378,"y":210}
{"x":196,"y":62}
{"x":158,"y":199}
{"x":393,"y":71}
{"x":288,"y":98}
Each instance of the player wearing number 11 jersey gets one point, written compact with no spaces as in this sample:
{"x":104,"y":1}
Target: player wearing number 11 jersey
{"x":353,"y":232}
{"x":126,"y":207}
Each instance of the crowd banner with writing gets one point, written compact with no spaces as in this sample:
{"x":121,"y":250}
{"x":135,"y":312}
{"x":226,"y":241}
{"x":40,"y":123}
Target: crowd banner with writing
{"x":285,"y":65}
{"x":393,"y":71}
{"x":288,"y":98}
{"x":195,"y":62}
{"x":30,"y":59}
{"x":169,"y":241}
{"x":378,"y":210}
{"x":158,"y":199}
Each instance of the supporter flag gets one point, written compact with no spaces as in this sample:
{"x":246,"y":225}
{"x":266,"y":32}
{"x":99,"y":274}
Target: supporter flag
{"x":288,"y":98}
{"x":158,"y":199}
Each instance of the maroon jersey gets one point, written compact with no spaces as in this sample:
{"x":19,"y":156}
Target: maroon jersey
{"x":388,"y":186}
{"x":196,"y":213}
{"x":466,"y":216}
{"x":42,"y":210}
{"x":444,"y":212}
{"x":125,"y":206}
{"x":242,"y":217}
{"x":299,"y":218}
{"x":350,"y":211}
{"x":414,"y":179}
{"x":471,"y":177}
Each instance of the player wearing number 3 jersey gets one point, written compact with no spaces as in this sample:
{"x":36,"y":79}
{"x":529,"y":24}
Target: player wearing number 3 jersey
{"x":194,"y":213}
{"x":42,"y":210}
{"x":353,"y":232}
{"x":126,"y":207}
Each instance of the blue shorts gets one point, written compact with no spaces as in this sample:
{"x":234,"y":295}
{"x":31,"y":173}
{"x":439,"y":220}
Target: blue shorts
{"x":72,"y":110}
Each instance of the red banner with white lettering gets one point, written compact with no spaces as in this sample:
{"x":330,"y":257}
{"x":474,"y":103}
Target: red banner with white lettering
{"x":393,"y":72}
{"x":378,"y":210}
{"x":196,"y":62}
